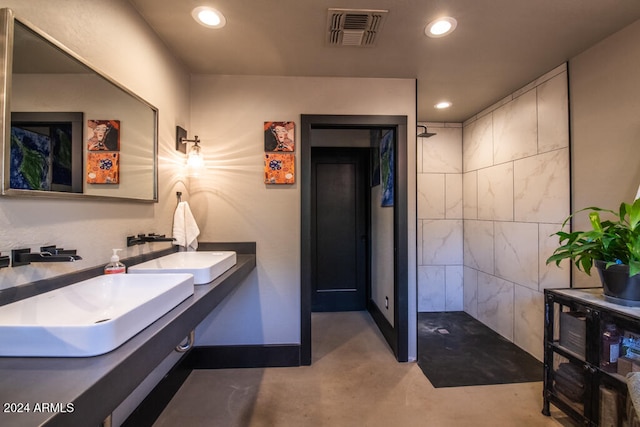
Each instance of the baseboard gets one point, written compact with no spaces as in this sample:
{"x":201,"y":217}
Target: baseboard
{"x":244,"y":356}
{"x":385,"y":327}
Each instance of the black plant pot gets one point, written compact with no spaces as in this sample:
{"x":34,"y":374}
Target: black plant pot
{"x":617,"y":283}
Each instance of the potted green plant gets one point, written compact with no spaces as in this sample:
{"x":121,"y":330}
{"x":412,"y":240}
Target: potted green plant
{"x":612,"y":246}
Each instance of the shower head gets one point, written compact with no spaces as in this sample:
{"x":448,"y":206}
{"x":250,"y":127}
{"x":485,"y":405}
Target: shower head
{"x":425,"y":134}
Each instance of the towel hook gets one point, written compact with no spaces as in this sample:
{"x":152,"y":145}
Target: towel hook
{"x":179,"y":195}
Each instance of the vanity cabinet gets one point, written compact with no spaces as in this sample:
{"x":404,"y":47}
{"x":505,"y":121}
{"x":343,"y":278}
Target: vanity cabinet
{"x":579,"y":376}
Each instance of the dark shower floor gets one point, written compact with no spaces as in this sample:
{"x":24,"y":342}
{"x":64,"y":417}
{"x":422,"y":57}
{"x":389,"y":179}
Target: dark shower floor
{"x":470,"y":353}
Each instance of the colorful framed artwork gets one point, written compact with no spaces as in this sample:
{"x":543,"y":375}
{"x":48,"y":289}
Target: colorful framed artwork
{"x":279,"y":136}
{"x":387,"y":166}
{"x":30,"y":160}
{"x":103,"y":168}
{"x":103,"y":135}
{"x":279,"y":168}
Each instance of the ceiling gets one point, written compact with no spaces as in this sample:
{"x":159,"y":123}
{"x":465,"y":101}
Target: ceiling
{"x":498,"y":46}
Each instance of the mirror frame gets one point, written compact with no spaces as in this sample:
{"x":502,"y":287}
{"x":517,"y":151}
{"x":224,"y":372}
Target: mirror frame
{"x":7,"y":26}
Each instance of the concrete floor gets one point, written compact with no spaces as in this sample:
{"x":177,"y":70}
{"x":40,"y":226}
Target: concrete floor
{"x":354,"y":380}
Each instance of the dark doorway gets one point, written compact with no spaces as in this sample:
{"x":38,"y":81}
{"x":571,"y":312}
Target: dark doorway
{"x":396,"y":332}
{"x":339,"y":228}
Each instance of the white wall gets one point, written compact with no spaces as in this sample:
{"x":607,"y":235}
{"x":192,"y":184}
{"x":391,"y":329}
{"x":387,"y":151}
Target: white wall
{"x":382,"y":265}
{"x":231,"y":202}
{"x":605,"y":132}
{"x":516,"y":194}
{"x":135,"y":57}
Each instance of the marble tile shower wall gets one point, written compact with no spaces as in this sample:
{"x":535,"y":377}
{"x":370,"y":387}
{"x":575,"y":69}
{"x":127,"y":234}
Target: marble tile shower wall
{"x":515,"y":180}
{"x":440,"y":219}
{"x":491,"y":191}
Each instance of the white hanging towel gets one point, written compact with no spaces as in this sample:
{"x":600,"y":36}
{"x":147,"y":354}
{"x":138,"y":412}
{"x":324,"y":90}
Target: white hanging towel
{"x":185,"y":229}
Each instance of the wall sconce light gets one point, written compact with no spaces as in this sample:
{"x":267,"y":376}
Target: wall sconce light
{"x":195,"y":160}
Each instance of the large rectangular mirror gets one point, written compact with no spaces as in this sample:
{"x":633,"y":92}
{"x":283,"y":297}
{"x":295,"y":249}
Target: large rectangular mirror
{"x":68,"y":130}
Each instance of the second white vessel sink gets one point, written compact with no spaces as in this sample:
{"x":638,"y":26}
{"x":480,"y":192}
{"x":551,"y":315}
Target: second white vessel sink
{"x":205,"y":266}
{"x":91,"y":317}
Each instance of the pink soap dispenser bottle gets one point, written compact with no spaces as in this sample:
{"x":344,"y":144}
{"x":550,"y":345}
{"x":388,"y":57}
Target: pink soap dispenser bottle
{"x":115,"y":266}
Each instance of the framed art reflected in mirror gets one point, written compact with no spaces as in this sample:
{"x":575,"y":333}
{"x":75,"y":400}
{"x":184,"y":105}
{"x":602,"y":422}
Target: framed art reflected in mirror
{"x":46,"y":151}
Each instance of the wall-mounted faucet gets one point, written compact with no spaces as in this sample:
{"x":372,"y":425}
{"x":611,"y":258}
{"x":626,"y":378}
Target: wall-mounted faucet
{"x":153,"y":237}
{"x":5,"y":261}
{"x":141,"y":239}
{"x":135,"y":240}
{"x":25,"y":257}
{"x":53,"y":250}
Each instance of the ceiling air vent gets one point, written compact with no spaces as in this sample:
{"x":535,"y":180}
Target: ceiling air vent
{"x":354,"y":27}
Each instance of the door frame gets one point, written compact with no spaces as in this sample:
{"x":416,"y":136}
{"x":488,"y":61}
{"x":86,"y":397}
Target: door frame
{"x":396,"y":336}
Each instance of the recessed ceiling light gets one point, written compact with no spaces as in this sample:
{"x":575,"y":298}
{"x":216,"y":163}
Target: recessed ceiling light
{"x":209,"y":17}
{"x":442,"y":105}
{"x":441,"y":27}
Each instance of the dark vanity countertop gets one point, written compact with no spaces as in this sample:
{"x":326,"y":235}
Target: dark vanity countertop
{"x":97,"y":385}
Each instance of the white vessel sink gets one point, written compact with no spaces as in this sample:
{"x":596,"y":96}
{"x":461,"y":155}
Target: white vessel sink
{"x":91,"y":317}
{"x":205,"y":266}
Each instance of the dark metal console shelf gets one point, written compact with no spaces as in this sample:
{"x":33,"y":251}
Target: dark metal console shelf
{"x":574,"y":380}
{"x":95,"y":386}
